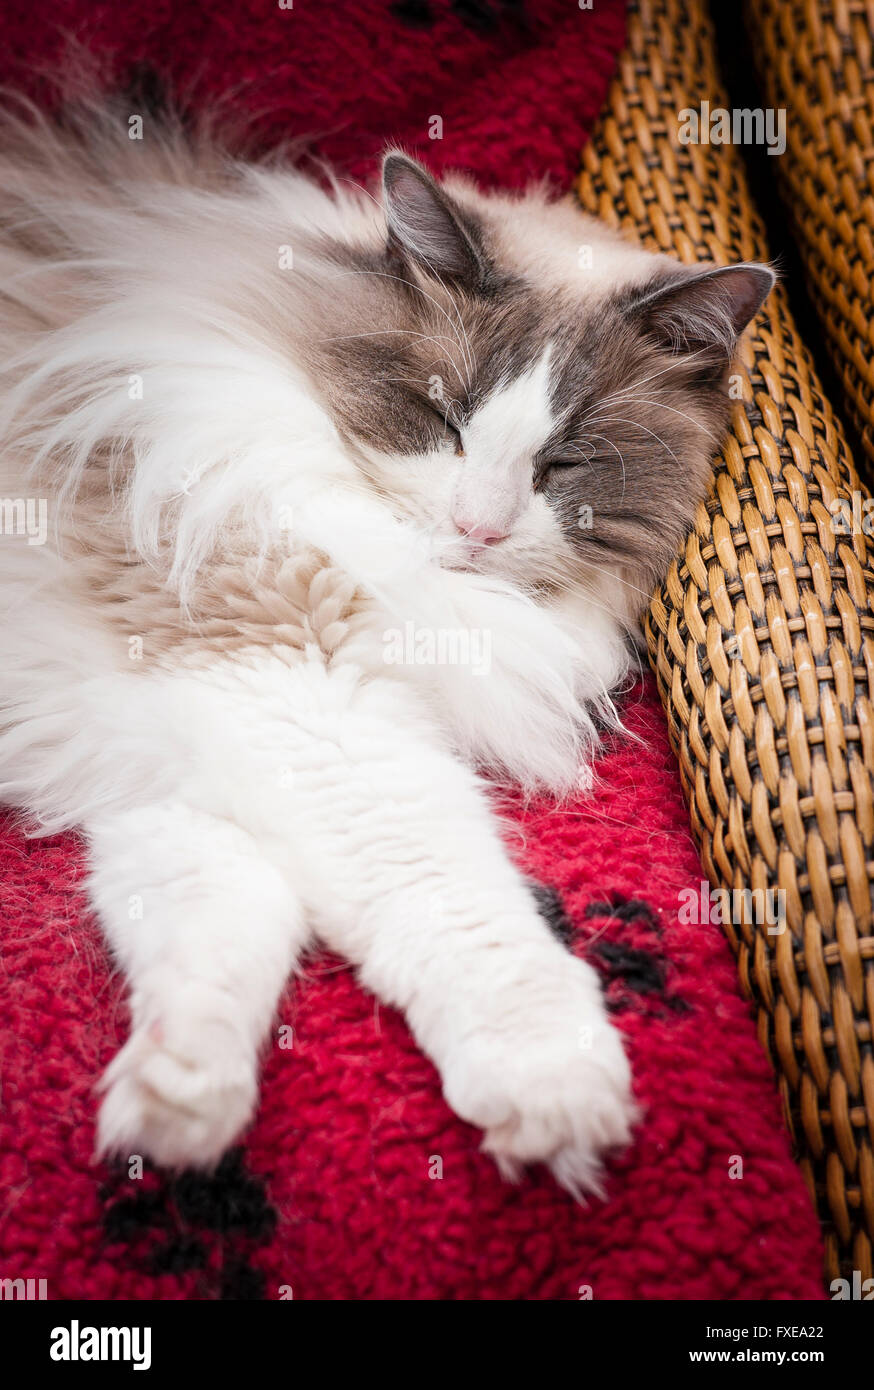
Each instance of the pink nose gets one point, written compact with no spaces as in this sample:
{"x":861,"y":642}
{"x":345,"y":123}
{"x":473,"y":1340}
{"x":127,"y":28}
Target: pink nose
{"x":480,"y":531}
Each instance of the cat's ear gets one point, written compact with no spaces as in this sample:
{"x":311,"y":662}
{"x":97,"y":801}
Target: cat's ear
{"x":426,"y":226}
{"x":705,"y":311}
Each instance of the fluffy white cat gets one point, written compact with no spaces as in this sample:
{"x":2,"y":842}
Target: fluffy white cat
{"x":296,"y":453}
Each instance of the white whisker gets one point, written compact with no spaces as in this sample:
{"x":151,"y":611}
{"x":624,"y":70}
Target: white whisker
{"x":676,"y":411}
{"x":620,"y":420}
{"x":621,"y":459}
{"x":464,"y":344}
{"x":630,"y":390}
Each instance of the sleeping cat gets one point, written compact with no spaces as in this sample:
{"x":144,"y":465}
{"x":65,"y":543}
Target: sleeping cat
{"x":299,"y":453}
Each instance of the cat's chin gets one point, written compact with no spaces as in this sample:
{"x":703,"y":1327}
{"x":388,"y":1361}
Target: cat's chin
{"x":486,"y":567}
{"x":516,"y":566}
{"x":465,"y":557}
{"x":490,"y":564}
{"x":460,"y":565}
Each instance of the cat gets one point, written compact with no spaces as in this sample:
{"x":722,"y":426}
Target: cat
{"x":298,"y":451}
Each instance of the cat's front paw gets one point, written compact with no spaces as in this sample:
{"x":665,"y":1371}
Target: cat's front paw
{"x":545,"y":1076}
{"x":177,"y":1095}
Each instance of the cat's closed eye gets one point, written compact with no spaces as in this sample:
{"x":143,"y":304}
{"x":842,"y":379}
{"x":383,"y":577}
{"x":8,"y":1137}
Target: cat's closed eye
{"x":573,"y":456}
{"x":451,"y":433}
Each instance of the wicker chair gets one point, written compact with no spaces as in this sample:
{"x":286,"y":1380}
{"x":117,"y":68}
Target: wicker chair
{"x":816,"y":61}
{"x":761,"y":635}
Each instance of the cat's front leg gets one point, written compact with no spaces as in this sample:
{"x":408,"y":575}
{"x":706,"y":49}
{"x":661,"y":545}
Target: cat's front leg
{"x":426,"y":900}
{"x":207,"y":930}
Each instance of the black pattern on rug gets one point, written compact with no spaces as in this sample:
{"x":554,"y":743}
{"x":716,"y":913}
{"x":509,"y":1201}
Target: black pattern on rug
{"x":208,"y":1224}
{"x":635,"y":975}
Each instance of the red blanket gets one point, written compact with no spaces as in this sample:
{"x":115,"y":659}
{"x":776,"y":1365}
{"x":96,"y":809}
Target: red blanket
{"x":356,"y":1181}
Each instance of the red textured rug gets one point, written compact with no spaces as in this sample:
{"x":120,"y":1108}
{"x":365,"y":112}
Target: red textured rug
{"x":356,"y":1181}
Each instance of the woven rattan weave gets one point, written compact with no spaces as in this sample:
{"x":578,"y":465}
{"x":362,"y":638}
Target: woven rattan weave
{"x":815,"y":60}
{"x":761,"y":636}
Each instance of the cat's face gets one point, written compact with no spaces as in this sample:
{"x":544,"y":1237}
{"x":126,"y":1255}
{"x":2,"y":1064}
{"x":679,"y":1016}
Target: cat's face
{"x":541,"y":396}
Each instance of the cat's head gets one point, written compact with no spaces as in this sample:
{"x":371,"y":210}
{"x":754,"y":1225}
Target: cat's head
{"x":540,"y":394}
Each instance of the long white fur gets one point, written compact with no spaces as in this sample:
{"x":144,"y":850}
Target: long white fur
{"x":237,"y":806}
